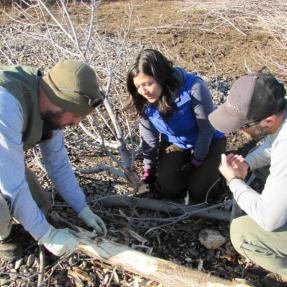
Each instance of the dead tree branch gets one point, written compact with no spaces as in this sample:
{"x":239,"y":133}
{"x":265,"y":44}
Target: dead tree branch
{"x":167,"y":273}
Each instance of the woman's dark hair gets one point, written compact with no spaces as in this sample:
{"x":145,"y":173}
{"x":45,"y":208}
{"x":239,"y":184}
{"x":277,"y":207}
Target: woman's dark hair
{"x":152,"y":63}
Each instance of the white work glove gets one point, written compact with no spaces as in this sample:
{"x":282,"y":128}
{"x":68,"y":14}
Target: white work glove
{"x":92,"y":220}
{"x":59,"y":241}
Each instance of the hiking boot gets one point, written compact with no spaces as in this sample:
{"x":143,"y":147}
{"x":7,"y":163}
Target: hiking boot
{"x":273,"y":280}
{"x":10,"y":248}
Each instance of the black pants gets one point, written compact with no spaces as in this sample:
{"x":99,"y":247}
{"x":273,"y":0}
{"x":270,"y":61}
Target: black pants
{"x":170,"y":179}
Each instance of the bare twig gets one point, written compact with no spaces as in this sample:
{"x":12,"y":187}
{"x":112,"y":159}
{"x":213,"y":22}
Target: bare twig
{"x":41,"y":266}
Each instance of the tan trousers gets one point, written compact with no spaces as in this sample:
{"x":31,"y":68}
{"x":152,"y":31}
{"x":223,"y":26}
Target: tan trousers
{"x":37,"y":194}
{"x":265,"y":248}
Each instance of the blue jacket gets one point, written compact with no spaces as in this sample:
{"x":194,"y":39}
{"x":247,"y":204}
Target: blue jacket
{"x":181,"y":128}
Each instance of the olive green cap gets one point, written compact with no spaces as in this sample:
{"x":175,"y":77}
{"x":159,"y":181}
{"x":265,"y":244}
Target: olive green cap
{"x":72,"y":86}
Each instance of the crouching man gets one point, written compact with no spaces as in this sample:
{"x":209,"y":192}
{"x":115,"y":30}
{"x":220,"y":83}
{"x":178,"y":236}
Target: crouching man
{"x":257,"y":105}
{"x":33,"y":110}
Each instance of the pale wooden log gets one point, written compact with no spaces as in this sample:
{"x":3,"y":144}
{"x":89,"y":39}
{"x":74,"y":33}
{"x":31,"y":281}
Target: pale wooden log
{"x":165,"y":272}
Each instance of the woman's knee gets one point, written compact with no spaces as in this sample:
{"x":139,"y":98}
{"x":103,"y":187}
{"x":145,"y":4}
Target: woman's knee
{"x":171,"y":188}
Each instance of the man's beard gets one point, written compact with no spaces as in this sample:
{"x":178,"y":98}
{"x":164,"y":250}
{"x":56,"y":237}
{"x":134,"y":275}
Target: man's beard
{"x":51,"y":119}
{"x":258,"y":132}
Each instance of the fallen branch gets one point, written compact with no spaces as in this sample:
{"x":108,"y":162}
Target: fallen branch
{"x":42,"y":266}
{"x":165,"y":272}
{"x":169,"y":207}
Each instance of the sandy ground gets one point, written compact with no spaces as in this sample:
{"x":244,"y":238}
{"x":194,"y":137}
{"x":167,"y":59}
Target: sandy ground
{"x":195,"y":36}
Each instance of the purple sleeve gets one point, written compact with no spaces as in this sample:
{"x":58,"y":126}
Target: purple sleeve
{"x":202,"y":105}
{"x":150,"y":139}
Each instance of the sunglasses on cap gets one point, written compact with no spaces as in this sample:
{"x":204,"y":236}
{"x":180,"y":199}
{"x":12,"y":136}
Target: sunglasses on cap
{"x":92,"y":102}
{"x":251,"y":124}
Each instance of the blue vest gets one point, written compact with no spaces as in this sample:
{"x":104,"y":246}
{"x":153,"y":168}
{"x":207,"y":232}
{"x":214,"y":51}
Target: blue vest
{"x":181,"y":127}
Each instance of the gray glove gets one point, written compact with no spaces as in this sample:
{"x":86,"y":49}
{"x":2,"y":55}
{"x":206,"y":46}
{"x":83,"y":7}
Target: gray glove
{"x":59,"y":241}
{"x":92,"y":220}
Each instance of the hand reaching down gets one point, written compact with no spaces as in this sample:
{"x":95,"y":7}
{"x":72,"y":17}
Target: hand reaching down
{"x":93,"y":220}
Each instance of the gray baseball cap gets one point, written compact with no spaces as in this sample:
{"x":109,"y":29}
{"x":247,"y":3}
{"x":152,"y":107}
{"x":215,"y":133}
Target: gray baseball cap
{"x":251,"y":98}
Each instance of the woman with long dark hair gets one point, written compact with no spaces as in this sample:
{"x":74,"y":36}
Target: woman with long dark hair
{"x":181,"y":149}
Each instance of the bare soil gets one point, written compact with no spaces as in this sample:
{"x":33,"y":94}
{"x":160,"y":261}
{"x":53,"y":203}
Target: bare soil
{"x":192,"y":38}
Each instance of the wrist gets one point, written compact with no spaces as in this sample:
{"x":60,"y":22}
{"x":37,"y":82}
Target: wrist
{"x":147,"y":171}
{"x":195,"y":162}
{"x":234,"y":177}
{"x":85,"y":212}
{"x":148,"y":176}
{"x":248,"y":167}
{"x":49,"y":234}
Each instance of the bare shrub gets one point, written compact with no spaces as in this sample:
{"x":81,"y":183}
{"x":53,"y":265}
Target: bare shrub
{"x":59,"y":31}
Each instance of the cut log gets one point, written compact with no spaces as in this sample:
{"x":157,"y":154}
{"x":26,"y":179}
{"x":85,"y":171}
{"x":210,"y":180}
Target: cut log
{"x":165,"y":272}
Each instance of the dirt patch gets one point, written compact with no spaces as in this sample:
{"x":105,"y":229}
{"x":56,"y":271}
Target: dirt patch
{"x":193,"y":37}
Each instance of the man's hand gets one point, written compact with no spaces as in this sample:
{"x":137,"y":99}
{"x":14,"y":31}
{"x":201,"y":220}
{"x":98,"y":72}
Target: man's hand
{"x":92,"y":220}
{"x":232,"y":166}
{"x":59,"y":241}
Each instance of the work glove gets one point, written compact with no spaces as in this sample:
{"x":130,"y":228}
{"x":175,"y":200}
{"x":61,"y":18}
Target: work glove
{"x":59,"y":241}
{"x":148,"y":176}
{"x":92,"y":220}
{"x":191,"y":167}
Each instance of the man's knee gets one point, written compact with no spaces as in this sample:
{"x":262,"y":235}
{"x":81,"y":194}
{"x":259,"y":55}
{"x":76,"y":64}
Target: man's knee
{"x":5,"y":218}
{"x":250,"y":240}
{"x":266,"y":249}
{"x":238,"y":229}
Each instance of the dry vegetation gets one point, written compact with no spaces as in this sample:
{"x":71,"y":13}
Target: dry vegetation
{"x":218,"y":39}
